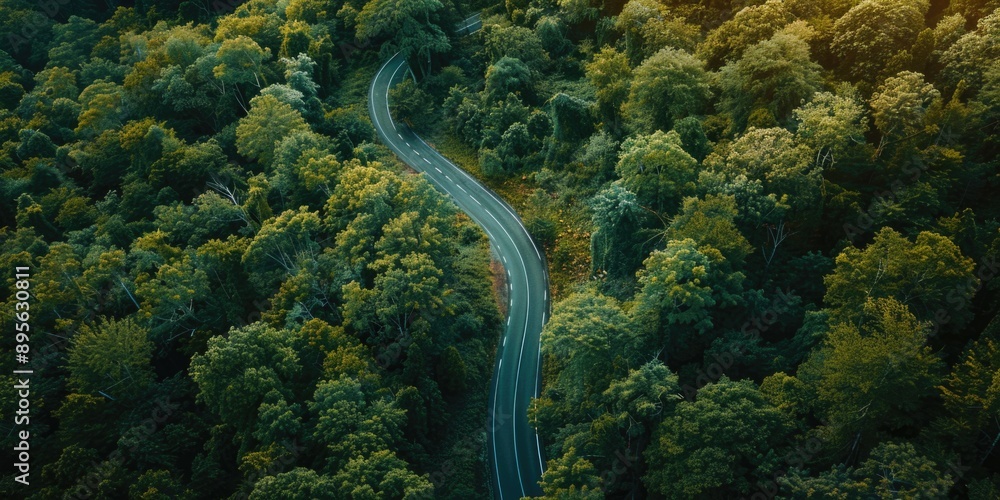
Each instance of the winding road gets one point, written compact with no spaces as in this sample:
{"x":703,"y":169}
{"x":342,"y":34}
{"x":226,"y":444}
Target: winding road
{"x":515,"y":451}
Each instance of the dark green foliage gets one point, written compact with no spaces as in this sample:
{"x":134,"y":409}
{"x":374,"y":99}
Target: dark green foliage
{"x":508,"y":75}
{"x":726,"y":440}
{"x":693,"y":137}
{"x":570,"y":119}
{"x":795,"y":194}
{"x":617,"y":240}
{"x":775,"y":76}
{"x":791,"y":206}
{"x":409,"y":103}
{"x":234,"y":292}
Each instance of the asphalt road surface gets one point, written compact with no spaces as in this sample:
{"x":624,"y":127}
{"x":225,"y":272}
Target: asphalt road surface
{"x":513,"y":446}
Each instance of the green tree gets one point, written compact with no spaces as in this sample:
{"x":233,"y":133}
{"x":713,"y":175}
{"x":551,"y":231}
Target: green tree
{"x":287,"y":95}
{"x":571,"y":476}
{"x":971,"y":396}
{"x":407,"y":26}
{"x":401,"y":293}
{"x":514,"y":147}
{"x":578,"y":11}
{"x":311,"y":11}
{"x":926,"y":275}
{"x":237,"y":372}
{"x":256,"y":209}
{"x":648,"y":27}
{"x":305,"y":171}
{"x":409,"y":103}
{"x":380,"y":475}
{"x":299,"y":483}
{"x":193,"y":90}
{"x":783,"y":167}
{"x":645,"y":396}
{"x":657,"y":169}
{"x":667,"y":86}
{"x":610,"y":74}
{"x":516,"y":42}
{"x":157,"y":484}
{"x":872,"y":374}
{"x":838,"y":482}
{"x":11,"y":90}
{"x":616,"y":245}
{"x":900,"y":105}
{"x":173,"y":296}
{"x":873,"y":30}
{"x":296,"y":36}
{"x":240,"y":62}
{"x":893,"y":470}
{"x":283,"y":244}
{"x":571,"y":120}
{"x":70,"y":283}
{"x":101,"y":108}
{"x":360,"y":205}
{"x":188,"y":168}
{"x":680,"y":290}
{"x":350,"y":423}
{"x":111,"y":358}
{"x":693,"y":137}
{"x":51,"y":106}
{"x":268,"y":121}
{"x":897,"y":469}
{"x":969,"y":58}
{"x":34,"y":144}
{"x":74,"y":462}
{"x":709,"y":222}
{"x":72,"y":42}
{"x":299,"y":71}
{"x":831,"y":125}
{"x":775,"y":75}
{"x":586,"y":331}
{"x":452,"y":371}
{"x":749,"y":26}
{"x":717,"y":444}
{"x":551,"y":32}
{"x":508,"y":75}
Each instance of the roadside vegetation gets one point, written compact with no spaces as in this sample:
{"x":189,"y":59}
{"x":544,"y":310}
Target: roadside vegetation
{"x":772,"y":233}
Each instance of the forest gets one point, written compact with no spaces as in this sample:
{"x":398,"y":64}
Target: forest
{"x":770,"y":227}
{"x":236,"y":293}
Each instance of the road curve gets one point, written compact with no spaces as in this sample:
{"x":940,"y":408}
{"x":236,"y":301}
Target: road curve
{"x":513,"y":446}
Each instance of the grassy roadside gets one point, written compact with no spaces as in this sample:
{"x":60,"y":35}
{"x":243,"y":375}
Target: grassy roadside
{"x":566,"y":246}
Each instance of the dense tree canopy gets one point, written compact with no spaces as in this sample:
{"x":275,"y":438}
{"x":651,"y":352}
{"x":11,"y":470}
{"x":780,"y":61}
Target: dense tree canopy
{"x":770,"y":230}
{"x":790,"y":194}
{"x":242,"y":294}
